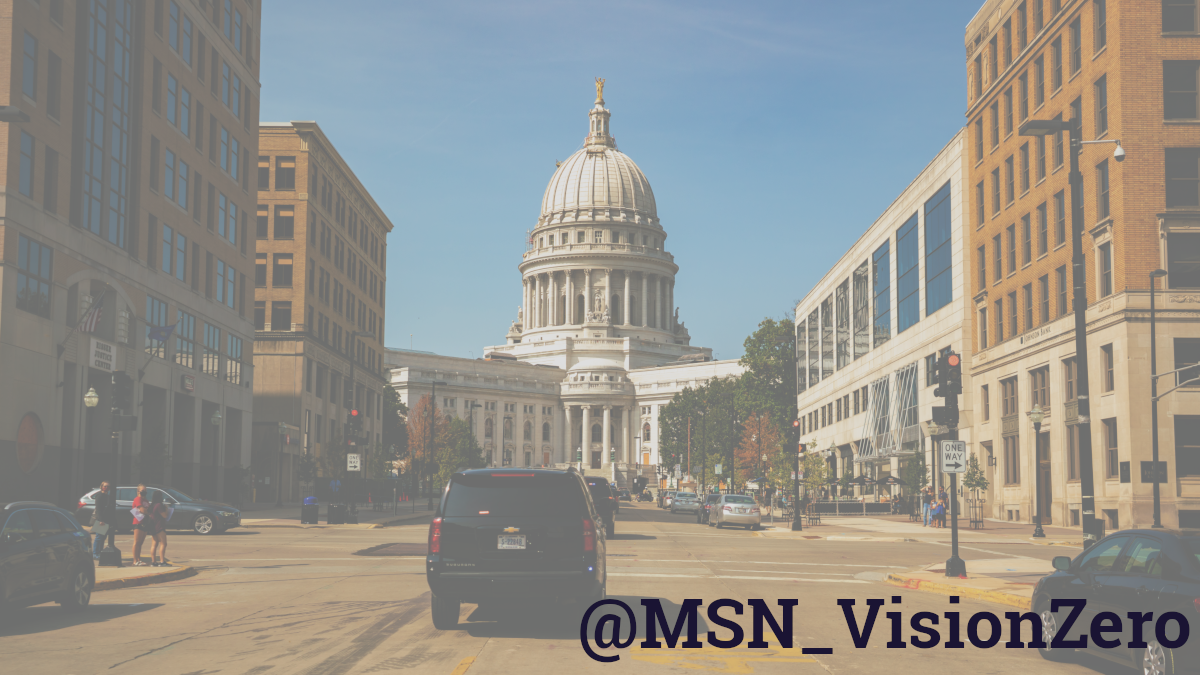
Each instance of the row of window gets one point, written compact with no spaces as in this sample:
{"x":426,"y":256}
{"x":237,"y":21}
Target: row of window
{"x":835,"y":411}
{"x":328,"y":384}
{"x":489,"y":430}
{"x":1109,"y":451}
{"x":342,"y":340}
{"x":331,"y":292}
{"x":200,"y":350}
{"x":182,"y":260}
{"x":225,"y":17}
{"x":598,"y":237}
{"x":333,"y":202}
{"x":285,"y":173}
{"x":828,"y":339}
{"x":28,"y":168}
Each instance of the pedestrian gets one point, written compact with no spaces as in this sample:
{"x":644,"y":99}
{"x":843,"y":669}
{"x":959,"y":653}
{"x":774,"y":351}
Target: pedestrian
{"x":938,"y":510}
{"x":104,"y":518}
{"x":926,"y":505}
{"x":141,"y":506}
{"x":158,"y":516}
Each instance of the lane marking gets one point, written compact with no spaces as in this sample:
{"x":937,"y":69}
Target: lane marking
{"x":730,"y":576}
{"x":463,"y":666}
{"x":760,"y":562}
{"x":832,"y":574}
{"x":982,"y":550}
{"x":405,"y":559}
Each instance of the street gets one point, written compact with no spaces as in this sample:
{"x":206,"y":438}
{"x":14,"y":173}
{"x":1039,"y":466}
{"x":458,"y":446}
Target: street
{"x":285,"y":600}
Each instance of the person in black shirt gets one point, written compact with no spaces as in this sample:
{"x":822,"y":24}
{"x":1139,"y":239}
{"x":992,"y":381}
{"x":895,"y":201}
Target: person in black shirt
{"x":104,"y":517}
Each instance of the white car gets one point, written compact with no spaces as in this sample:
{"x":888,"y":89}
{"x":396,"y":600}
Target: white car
{"x":685,"y":502}
{"x":735,"y":510}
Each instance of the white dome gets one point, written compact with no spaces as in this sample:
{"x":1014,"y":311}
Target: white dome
{"x":599,"y":182}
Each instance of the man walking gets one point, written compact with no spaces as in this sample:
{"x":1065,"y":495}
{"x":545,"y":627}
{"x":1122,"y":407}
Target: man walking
{"x":926,"y":505}
{"x":104,"y":518}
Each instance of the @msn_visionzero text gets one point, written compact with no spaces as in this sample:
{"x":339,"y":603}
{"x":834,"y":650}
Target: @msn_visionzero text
{"x":982,"y":629}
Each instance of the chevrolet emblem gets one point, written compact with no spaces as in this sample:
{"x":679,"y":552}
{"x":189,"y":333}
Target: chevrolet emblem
{"x":511,"y":530}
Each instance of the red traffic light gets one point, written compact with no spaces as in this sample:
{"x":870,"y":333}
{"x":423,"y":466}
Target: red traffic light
{"x":354,"y":413}
{"x":795,"y":423}
{"x":953,"y":360}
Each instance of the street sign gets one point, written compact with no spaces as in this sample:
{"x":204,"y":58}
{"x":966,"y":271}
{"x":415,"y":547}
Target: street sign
{"x":352,"y":461}
{"x":718,"y":469}
{"x":954,"y":456}
{"x":678,"y":471}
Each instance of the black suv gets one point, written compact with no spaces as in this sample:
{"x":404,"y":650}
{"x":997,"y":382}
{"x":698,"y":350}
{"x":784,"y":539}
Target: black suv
{"x":606,"y":502}
{"x":44,"y":556}
{"x":514,"y":533}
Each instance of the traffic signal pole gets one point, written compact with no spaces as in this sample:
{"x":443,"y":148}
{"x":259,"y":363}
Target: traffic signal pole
{"x":797,"y":523}
{"x":949,"y":379}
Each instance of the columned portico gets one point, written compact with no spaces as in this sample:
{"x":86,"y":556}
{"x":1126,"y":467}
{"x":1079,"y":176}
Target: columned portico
{"x":585,"y":436}
{"x":606,"y":434}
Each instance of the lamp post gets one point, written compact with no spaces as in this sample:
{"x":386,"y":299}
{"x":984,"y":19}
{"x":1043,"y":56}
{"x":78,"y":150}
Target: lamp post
{"x":1156,"y":274}
{"x":797,"y":524}
{"x":91,"y":399}
{"x":1091,"y":529}
{"x":215,"y":420}
{"x":1036,"y":415}
{"x":429,"y":448}
{"x":279,"y":479}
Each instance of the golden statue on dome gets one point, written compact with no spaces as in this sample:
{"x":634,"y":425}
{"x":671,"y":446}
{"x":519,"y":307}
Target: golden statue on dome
{"x":599,"y":89}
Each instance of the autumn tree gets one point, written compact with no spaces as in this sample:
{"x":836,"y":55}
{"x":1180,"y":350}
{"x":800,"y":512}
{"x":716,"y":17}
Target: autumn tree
{"x":760,"y":436}
{"x":427,"y":429}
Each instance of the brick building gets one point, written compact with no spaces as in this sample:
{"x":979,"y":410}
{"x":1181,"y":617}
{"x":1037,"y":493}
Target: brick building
{"x":320,"y":274}
{"x":1119,"y":70}
{"x":125,"y":200}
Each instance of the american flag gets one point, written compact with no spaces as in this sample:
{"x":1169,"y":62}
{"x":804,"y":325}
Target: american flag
{"x":88,"y":324}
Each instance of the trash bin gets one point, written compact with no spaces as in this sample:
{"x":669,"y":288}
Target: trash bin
{"x":310,"y":512}
{"x":336,"y":514}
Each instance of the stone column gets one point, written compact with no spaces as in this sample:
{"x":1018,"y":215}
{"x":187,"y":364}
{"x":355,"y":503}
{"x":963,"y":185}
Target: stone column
{"x":570,"y":318}
{"x":626,"y":319}
{"x":625,"y":411}
{"x":585,"y":437}
{"x":671,"y":305}
{"x":537,"y":301}
{"x":606,"y":433}
{"x":553,"y":300}
{"x":569,"y":452}
{"x":645,"y":297}
{"x":658,"y":305}
{"x":608,"y":290}
{"x":587,"y":294}
{"x":525,"y":303}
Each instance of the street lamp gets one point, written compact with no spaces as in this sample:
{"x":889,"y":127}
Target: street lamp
{"x":91,"y":399}
{"x":1091,"y":528}
{"x":1036,"y":416}
{"x":1156,"y":274}
{"x":797,"y":524}
{"x":429,"y":448}
{"x":215,"y":420}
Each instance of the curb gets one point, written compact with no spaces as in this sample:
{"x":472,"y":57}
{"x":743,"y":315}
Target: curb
{"x":181,"y":572}
{"x":999,"y":597}
{"x":313,"y":526}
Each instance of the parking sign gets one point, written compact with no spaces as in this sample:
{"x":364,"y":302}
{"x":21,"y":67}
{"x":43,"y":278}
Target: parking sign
{"x":954,"y":456}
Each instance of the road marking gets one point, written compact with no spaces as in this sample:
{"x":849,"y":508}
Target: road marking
{"x":717,"y":660}
{"x":759,"y":562}
{"x":981,"y":550}
{"x":405,"y":559}
{"x":463,"y":666}
{"x":832,"y":574}
{"x":728,"y":576}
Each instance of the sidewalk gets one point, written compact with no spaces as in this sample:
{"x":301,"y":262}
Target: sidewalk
{"x":900,"y":528}
{"x":111,"y":578}
{"x":1007,"y":582}
{"x":269,"y":515}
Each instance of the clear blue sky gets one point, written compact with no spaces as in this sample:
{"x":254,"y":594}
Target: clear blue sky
{"x":772,"y":133}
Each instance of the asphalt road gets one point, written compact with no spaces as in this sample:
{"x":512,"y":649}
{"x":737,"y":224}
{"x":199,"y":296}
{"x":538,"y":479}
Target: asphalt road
{"x":299,"y":601}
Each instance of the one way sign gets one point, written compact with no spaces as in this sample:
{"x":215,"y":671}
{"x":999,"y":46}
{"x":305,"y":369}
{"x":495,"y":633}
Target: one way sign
{"x":954,"y":456}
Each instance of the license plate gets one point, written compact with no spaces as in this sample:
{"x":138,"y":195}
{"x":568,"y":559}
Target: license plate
{"x":511,"y":542}
{"x":741,"y":510}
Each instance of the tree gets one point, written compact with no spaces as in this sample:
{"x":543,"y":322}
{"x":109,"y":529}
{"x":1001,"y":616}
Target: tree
{"x":306,"y":469}
{"x":422,"y":445}
{"x":816,"y":472}
{"x":760,"y":437}
{"x":769,"y":383}
{"x":975,"y":478}
{"x":913,"y":474}
{"x":395,"y":428}
{"x":457,"y":449}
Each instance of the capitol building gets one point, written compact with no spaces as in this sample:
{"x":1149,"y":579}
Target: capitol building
{"x":597,"y":347}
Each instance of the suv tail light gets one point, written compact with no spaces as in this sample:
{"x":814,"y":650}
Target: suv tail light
{"x":728,"y":508}
{"x":589,"y":535}
{"x":435,"y":536}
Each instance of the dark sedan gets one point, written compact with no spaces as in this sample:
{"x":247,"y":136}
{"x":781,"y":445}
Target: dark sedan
{"x":1125,"y":573}
{"x":199,"y":515}
{"x":45,"y":556}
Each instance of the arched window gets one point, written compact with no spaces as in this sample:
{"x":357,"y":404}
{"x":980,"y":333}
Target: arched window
{"x":508,"y":429}
{"x":528,"y":430}
{"x":487,"y":428}
{"x":646,"y":431}
{"x":545,"y":431}
{"x":597,"y":433}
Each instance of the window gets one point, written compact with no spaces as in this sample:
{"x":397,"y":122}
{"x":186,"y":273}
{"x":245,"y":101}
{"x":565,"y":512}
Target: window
{"x":1106,"y":382}
{"x":1041,"y":157}
{"x":53,"y":84}
{"x":993,"y":62}
{"x":29,"y":68}
{"x":1179,"y":16}
{"x":881,"y":287}
{"x":285,"y":173}
{"x":981,"y":267}
{"x":1183,"y":260}
{"x":285,"y":222}
{"x":1039,"y":388}
{"x":1112,"y":463}
{"x":1022,"y":27}
{"x":1008,"y":392}
{"x":1039,"y":82}
{"x":1183,"y":177}
{"x":224,"y":149}
{"x":1010,"y":192}
{"x":35,"y":275}
{"x":979,"y":204}
{"x":225,"y":283}
{"x":979,"y":139}
{"x":1025,"y":168}
{"x":260,"y":270}
{"x":995,"y":191}
{"x":281,"y":271}
{"x":1187,"y":354}
{"x":983,"y":328}
{"x":262,"y":224}
{"x":172,"y":99}
{"x":1023,"y":96}
{"x":180,"y":257}
{"x":1105,"y":281}
{"x":1013,"y":328}
{"x":1069,"y":379}
{"x":1008,"y":112}
{"x":235,"y":155}
{"x":1058,"y":145}
{"x":185,"y":41}
{"x":1076,"y":47}
{"x":169,"y":176}
{"x":1056,"y":65}
{"x":156,"y":316}
{"x":977,"y":76}
{"x":1044,"y":299}
{"x":939,"y":290}
{"x":185,"y":336}
{"x":181,"y":192}
{"x":995,"y":125}
{"x":999,"y":320}
{"x":25,"y":186}
{"x":907,"y":282}
{"x":233,"y":362}
{"x":1101,"y":32}
{"x":997,"y":259}
{"x":1100,"y":91}
{"x":167,"y":244}
{"x":1187,"y":445}
{"x":1012,"y":460}
{"x":931,"y":370}
{"x":1026,"y":240}
{"x":1011,"y":232}
{"x":1060,"y":218}
{"x":1039,"y":21}
{"x":1043,"y":227}
{"x":1073,"y":452}
{"x":985,"y":402}
{"x":1060,"y":276}
{"x":185,"y":112}
{"x":1028,"y":293}
{"x":1179,"y":89}
{"x":1006,"y":36}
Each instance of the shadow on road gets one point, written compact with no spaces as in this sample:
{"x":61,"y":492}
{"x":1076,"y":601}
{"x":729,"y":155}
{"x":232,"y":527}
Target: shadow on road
{"x":48,"y":617}
{"x":541,"y":620}
{"x":629,"y":537}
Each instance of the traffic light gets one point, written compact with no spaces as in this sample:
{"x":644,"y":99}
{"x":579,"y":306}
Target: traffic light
{"x":952,"y":373}
{"x":354,"y":425}
{"x":948,"y":375}
{"x":122,"y":391}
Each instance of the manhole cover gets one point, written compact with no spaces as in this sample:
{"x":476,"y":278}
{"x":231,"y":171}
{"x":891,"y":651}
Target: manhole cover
{"x":395,"y":550}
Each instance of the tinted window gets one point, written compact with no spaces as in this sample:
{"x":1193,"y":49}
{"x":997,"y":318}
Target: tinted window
{"x":126,"y":494}
{"x":713,"y":499}
{"x":473,"y":496}
{"x":686,"y":495}
{"x":18,"y":528}
{"x":179,"y":496}
{"x":67,"y":523}
{"x":1103,"y":555}
{"x":46,"y":523}
{"x":738,"y":499}
{"x":1143,"y":558}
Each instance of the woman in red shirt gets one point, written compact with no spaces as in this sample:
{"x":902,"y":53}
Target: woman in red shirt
{"x":140,"y":526}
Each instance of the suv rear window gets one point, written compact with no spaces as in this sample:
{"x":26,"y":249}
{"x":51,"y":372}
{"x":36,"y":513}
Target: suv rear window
{"x":513,"y":495}
{"x":738,"y":499}
{"x":685,"y":495}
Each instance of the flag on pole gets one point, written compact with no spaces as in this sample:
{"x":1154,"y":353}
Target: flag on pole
{"x":91,"y":319}
{"x":160,"y":333}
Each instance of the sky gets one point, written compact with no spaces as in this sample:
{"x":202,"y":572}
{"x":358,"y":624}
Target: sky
{"x":772,"y":133}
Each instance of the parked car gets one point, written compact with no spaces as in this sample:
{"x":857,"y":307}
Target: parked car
{"x":514,"y":533}
{"x":666,"y":498}
{"x":685,"y":502}
{"x":734,"y":510}
{"x":702,"y":512}
{"x":606,"y":502}
{"x":625,"y":496}
{"x":1128,"y":571}
{"x":44,"y":556}
{"x":199,"y":515}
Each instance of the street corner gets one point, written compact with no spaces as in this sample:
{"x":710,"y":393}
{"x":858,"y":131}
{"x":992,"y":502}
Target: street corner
{"x":980,"y":587}
{"x":114,"y":578}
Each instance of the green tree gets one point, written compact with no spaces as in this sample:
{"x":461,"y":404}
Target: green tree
{"x":422,"y":441}
{"x":816,"y":472}
{"x":395,"y":428}
{"x":306,"y":469}
{"x":769,"y":383}
{"x":914,"y":474}
{"x":975,"y":478}
{"x":456,"y":450}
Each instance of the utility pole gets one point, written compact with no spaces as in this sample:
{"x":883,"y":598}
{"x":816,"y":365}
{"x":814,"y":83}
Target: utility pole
{"x":949,"y":379}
